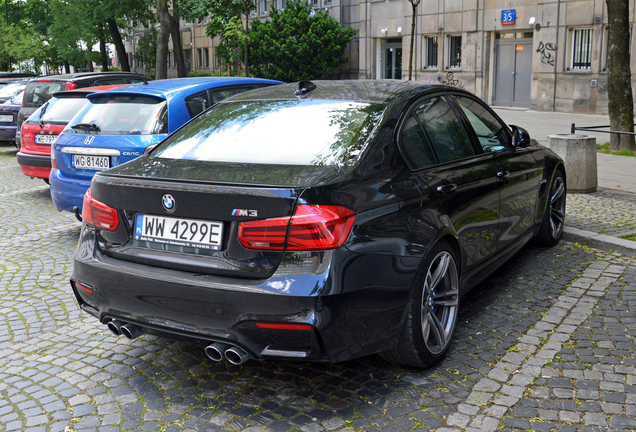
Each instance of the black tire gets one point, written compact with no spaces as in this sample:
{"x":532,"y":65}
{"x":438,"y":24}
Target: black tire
{"x":554,"y":217}
{"x":430,"y":323}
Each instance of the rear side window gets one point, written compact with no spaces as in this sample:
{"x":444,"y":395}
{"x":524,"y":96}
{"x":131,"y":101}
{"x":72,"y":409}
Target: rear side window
{"x":39,"y":92}
{"x":10,"y":90}
{"x":122,"y":115}
{"x":444,"y":130}
{"x":61,"y":110}
{"x":197,"y":103}
{"x":415,"y":145}
{"x":219,"y":94}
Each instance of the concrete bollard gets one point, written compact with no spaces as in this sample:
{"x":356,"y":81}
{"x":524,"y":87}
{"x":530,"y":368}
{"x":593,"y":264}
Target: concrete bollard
{"x":579,"y":154}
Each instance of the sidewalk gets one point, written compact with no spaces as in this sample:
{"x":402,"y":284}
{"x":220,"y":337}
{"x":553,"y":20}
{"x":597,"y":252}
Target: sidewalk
{"x":597,"y":219}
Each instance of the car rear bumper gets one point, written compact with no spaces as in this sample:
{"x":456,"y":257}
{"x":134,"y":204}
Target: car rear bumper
{"x":34,"y":165}
{"x":7,"y":133}
{"x":351,"y":315}
{"x":67,"y":192}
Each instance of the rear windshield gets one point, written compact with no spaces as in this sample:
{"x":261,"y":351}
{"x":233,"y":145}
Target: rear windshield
{"x":39,"y":92}
{"x":296,"y":132}
{"x":10,"y":90}
{"x":122,"y":115}
{"x":59,"y":110}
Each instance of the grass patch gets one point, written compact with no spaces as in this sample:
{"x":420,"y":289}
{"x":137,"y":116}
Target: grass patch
{"x":631,"y":237}
{"x":604,"y":148}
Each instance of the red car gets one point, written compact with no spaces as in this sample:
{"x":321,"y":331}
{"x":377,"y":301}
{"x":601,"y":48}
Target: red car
{"x":41,"y":129}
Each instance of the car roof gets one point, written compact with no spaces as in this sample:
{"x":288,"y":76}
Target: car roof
{"x":165,"y":89}
{"x":367,"y":91}
{"x":75,"y":76}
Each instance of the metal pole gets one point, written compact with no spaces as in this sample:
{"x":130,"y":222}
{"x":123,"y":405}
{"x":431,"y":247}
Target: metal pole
{"x":6,"y":17}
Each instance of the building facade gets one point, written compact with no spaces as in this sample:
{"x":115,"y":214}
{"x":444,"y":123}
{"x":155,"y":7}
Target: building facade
{"x":548,"y":56}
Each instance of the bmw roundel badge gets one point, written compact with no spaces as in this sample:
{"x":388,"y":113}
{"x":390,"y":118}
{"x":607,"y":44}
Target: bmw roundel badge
{"x":168,"y":202}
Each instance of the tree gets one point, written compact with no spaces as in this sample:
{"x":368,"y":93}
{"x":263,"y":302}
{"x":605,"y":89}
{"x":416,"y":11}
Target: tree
{"x":226,"y":22}
{"x":414,"y":5}
{"x":620,"y":98}
{"x":297,"y":44}
{"x":147,"y":48}
{"x":70,"y":33}
{"x":168,"y":27}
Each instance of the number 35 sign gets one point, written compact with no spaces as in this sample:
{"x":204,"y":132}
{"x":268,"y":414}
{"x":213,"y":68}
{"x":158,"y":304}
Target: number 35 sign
{"x":508,"y":16}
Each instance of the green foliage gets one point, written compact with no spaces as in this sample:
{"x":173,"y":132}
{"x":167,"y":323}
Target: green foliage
{"x":147,"y":48}
{"x":295,"y":46}
{"x":201,"y":73}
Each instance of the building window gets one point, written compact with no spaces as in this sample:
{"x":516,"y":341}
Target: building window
{"x":430,"y":52}
{"x":206,"y":57}
{"x":199,"y":57}
{"x":582,"y":49}
{"x":263,"y":7}
{"x":280,"y":4}
{"x":454,"y":52}
{"x":315,"y":3}
{"x":169,"y":58}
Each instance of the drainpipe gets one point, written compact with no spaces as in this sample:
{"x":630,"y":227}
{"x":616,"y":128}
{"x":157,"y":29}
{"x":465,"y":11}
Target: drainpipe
{"x":555,"y":59}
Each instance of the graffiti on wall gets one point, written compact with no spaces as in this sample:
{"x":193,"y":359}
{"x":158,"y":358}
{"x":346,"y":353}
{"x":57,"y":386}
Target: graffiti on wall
{"x":602,"y":87}
{"x":450,"y":80}
{"x":547,"y":53}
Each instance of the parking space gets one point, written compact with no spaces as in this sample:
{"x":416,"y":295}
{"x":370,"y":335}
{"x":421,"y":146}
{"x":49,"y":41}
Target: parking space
{"x":545,"y":343}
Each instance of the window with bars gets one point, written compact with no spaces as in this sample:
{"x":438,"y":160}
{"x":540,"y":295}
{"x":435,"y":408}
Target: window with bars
{"x":582,"y":49}
{"x":455,"y":52}
{"x":430,"y":55}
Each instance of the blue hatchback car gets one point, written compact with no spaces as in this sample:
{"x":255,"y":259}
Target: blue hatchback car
{"x":119,"y":125}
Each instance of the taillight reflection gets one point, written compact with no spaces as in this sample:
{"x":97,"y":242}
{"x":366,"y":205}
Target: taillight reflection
{"x":98,"y":214}
{"x":312,"y":227}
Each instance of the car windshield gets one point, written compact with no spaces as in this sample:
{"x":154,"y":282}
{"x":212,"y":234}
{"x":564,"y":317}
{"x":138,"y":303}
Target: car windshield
{"x":38,"y":92}
{"x":10,"y":90}
{"x":122,"y":115}
{"x":296,"y":132}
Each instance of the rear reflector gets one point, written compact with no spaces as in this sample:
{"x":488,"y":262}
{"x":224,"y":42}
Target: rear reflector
{"x":84,"y":288}
{"x":53,"y":163}
{"x":284,"y":326}
{"x":312,"y":227}
{"x":98,"y":214}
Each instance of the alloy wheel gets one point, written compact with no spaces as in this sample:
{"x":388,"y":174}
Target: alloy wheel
{"x":557,"y":208}
{"x":440,"y":301}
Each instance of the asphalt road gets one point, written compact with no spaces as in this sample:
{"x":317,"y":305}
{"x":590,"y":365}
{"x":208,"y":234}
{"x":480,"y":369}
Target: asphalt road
{"x":547,"y":343}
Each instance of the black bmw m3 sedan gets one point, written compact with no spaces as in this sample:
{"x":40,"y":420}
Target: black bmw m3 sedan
{"x":316,"y":221}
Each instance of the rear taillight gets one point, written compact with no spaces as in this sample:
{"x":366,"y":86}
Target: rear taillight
{"x":53,"y":163}
{"x":312,"y":227}
{"x":150,"y":148}
{"x":98,"y":214}
{"x":70,"y":86}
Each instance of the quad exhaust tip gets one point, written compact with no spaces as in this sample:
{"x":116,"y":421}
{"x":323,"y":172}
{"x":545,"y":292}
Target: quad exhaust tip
{"x":120,"y":328}
{"x":219,"y":351}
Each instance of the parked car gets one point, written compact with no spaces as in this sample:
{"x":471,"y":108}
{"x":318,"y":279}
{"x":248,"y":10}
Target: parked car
{"x":9,"y":117}
{"x":320,"y":221}
{"x":40,"y":89}
{"x":12,"y":88}
{"x":5,"y":75}
{"x":119,"y":125}
{"x":42,"y":128}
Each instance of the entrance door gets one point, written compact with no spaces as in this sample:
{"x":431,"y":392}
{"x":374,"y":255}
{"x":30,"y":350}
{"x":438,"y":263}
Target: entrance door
{"x":391,"y":58}
{"x":513,"y":69}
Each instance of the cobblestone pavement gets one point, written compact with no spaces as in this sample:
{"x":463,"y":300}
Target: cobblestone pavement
{"x":605,"y":212}
{"x":545,"y":343}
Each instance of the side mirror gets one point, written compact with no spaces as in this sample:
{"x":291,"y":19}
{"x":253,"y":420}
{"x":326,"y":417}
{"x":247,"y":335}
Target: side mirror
{"x":520,"y":136}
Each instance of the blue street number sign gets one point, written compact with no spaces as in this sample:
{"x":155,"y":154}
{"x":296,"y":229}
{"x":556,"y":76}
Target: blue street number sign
{"x":508,"y":16}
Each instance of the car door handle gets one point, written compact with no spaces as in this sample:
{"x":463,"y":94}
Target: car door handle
{"x":446,"y":188}
{"x":502,"y":175}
